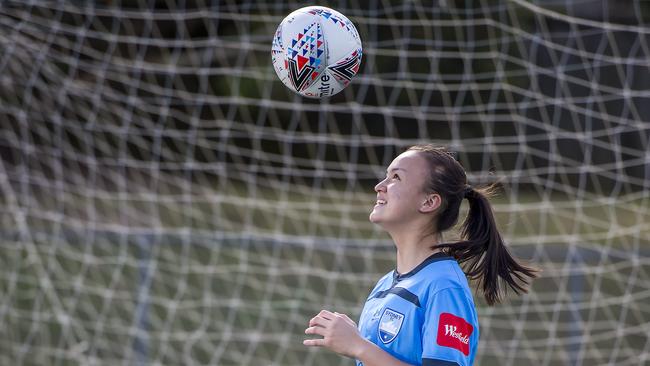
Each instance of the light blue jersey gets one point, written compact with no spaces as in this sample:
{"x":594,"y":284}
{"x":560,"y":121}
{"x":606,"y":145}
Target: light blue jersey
{"x":423,"y":317}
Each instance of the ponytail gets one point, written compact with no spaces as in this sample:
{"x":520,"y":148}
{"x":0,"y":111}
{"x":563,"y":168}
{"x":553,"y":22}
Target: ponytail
{"x":482,"y":252}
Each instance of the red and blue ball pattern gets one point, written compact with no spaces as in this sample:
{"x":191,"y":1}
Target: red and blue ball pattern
{"x":316,"y":51}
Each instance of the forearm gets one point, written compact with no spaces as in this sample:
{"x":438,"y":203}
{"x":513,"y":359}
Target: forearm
{"x":372,"y":355}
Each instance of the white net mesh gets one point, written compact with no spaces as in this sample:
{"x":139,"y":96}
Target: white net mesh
{"x":166,"y":200}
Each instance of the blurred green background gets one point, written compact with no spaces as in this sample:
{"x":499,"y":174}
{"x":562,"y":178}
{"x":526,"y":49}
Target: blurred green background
{"x":164,"y":199}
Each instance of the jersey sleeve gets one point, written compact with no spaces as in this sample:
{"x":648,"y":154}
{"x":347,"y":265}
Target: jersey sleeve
{"x":450,"y":329}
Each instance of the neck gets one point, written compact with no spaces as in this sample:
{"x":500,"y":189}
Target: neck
{"x":413,"y":249}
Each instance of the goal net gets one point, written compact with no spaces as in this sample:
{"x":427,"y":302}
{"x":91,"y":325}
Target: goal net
{"x":165,"y":199}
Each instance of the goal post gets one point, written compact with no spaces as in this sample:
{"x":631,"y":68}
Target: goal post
{"x":165,"y":199}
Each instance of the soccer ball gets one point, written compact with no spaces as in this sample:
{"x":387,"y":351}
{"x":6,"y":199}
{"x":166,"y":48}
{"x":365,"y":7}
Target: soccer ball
{"x":316,"y":51}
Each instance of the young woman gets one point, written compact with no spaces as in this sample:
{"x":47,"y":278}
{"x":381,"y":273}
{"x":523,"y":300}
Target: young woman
{"x":423,"y":313}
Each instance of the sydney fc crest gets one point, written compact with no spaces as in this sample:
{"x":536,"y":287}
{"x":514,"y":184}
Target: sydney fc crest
{"x":390,"y":324}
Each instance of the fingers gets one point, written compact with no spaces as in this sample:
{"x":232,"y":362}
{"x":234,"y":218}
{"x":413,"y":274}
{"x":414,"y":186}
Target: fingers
{"x":314,"y":342}
{"x":350,"y":321}
{"x":337,"y":332}
{"x":327,"y":314}
{"x":319,"y":321}
{"x":316,"y":326}
{"x":345,"y":318}
{"x":323,"y":318}
{"x":315,"y":330}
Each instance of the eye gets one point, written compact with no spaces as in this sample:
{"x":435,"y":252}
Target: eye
{"x":395,"y":176}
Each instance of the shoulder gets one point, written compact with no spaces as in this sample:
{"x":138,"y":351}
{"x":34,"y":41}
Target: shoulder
{"x":451,"y":327}
{"x":384,"y":282}
{"x":446,"y":276}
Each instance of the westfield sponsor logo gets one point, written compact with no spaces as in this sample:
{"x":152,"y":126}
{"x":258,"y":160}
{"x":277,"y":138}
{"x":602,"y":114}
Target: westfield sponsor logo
{"x":454,"y":332}
{"x":451,"y":331}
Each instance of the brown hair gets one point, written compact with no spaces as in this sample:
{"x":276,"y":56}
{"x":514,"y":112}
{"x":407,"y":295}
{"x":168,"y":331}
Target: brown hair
{"x":481,"y":251}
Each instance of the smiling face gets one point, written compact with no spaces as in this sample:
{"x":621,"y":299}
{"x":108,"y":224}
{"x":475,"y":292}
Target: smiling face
{"x":401,"y":198}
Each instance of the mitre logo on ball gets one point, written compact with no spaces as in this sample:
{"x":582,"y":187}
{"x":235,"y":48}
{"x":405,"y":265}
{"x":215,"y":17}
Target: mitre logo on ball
{"x":316,"y":51}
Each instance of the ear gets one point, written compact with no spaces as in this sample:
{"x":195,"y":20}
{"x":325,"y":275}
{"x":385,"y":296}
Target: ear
{"x":431,"y":203}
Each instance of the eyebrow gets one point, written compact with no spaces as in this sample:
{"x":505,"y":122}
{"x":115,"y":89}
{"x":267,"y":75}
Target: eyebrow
{"x":394,"y":169}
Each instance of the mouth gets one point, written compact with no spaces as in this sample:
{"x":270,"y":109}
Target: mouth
{"x":380,"y":202}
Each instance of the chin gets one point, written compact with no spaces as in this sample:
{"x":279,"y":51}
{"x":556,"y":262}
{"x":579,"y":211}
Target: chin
{"x":377,"y":219}
{"x":374,"y":218}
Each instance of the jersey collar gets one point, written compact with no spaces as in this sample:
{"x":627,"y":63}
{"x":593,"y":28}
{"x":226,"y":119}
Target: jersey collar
{"x":435,"y":257}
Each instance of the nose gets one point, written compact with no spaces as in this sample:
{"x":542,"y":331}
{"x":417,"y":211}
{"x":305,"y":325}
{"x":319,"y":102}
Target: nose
{"x":380,"y":187}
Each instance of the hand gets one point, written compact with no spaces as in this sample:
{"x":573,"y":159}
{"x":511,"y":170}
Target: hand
{"x":339,"y":333}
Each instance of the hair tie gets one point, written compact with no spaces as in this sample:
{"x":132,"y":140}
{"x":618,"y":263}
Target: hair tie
{"x":468,"y":191}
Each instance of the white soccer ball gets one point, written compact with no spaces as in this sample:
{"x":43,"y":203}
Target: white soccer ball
{"x":316,"y":51}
